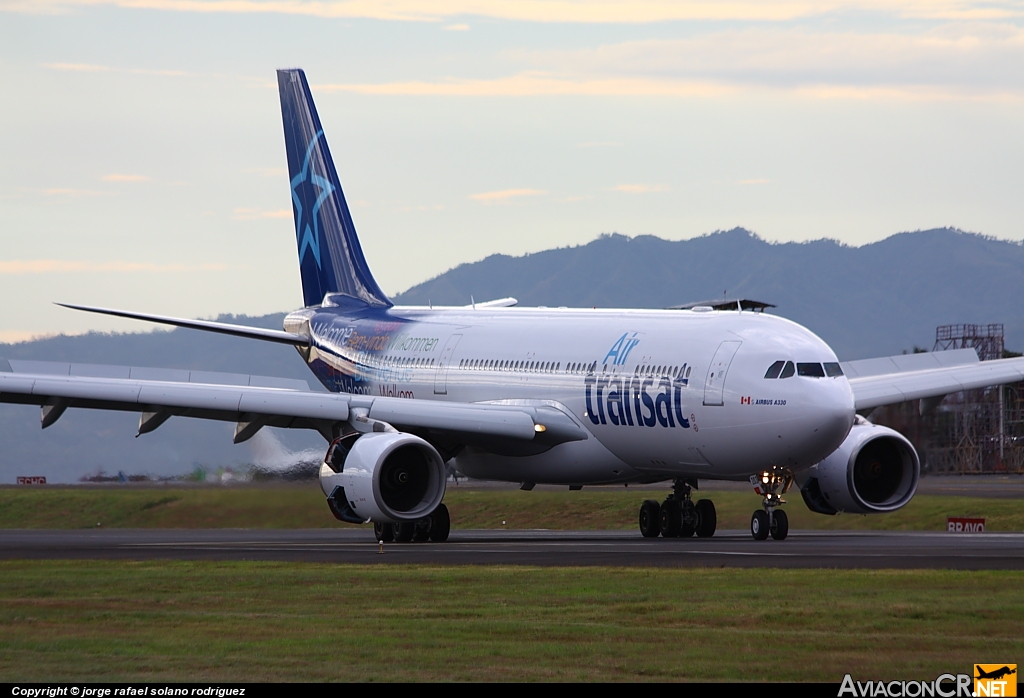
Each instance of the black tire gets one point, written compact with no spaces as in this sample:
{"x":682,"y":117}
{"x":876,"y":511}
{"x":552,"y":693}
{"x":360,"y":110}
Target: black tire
{"x":403,"y":531}
{"x":650,"y":519}
{"x":383,"y":532}
{"x":442,"y":524}
{"x":707,"y":518}
{"x":671,"y":518}
{"x":780,"y":525}
{"x":759,"y":525}
{"x":421,"y":529}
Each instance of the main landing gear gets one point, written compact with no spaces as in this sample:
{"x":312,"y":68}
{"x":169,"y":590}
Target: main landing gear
{"x":678,"y":516}
{"x":435,"y":526}
{"x":770,"y":520}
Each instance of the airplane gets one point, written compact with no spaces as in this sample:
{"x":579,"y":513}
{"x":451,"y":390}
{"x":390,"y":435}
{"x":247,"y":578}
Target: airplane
{"x":563,"y":396}
{"x":996,"y":674}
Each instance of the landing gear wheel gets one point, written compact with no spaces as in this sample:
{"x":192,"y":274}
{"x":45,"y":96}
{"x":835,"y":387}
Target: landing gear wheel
{"x":442,"y":524}
{"x":671,"y":518}
{"x":404,"y":531}
{"x":780,"y":525}
{"x":650,"y":519}
{"x":383,"y":532}
{"x":421,"y":529}
{"x":707,"y":518}
{"x":759,"y":525}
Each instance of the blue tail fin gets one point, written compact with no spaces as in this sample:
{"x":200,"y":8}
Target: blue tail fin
{"x":330,"y":258}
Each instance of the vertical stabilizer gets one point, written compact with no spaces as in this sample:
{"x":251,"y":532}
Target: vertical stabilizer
{"x":330,"y":258}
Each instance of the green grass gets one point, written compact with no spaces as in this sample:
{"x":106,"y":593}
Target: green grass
{"x":618,"y":509}
{"x":206,"y":621}
{"x":303,"y":506}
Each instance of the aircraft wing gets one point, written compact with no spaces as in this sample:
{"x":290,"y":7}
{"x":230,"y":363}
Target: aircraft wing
{"x":926,"y":377}
{"x":510,"y":428}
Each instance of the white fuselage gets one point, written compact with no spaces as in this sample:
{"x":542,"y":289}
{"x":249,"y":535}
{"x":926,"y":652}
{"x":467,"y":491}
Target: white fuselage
{"x":664,"y":394}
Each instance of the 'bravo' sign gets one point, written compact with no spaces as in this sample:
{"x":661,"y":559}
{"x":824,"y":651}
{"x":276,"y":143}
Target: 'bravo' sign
{"x":962,"y":524}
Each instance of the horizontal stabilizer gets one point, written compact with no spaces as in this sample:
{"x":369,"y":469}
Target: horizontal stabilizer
{"x":498,"y":303}
{"x":299,"y":340}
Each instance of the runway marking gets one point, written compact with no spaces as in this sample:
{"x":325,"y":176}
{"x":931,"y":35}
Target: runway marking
{"x":848,"y":549}
{"x":468,"y":547}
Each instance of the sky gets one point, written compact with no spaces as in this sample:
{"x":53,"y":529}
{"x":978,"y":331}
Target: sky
{"x":142,"y":162}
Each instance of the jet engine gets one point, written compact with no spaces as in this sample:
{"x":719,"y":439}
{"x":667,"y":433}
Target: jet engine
{"x":385,"y":477}
{"x":874,"y":471}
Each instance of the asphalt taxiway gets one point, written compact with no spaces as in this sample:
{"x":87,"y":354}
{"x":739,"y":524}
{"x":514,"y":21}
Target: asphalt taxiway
{"x":829,"y":549}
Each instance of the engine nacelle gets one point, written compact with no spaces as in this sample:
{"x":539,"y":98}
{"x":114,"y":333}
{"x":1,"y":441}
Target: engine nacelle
{"x":386,"y":477}
{"x":874,"y":471}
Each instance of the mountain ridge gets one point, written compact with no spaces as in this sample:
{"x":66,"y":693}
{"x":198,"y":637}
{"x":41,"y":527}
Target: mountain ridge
{"x":893,"y":292}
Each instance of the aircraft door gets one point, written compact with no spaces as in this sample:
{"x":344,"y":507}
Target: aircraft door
{"x":441,"y":375}
{"x":714,"y":385}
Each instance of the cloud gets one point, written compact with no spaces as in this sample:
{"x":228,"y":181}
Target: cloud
{"x":253,"y":214}
{"x":65,"y":192}
{"x":963,"y":59}
{"x":267,"y":171}
{"x":90,"y":68}
{"x":567,"y":11}
{"x":77,"y":67}
{"x":953,"y":60}
{"x":457,"y":28}
{"x":639,"y":188}
{"x":534,"y":83}
{"x":124,"y":178}
{"x":968,"y":49}
{"x":489,"y":197}
{"x":754,"y":181}
{"x":53,"y":266}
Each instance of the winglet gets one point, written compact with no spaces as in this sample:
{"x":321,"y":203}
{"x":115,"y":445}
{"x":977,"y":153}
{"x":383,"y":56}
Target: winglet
{"x":330,"y":258}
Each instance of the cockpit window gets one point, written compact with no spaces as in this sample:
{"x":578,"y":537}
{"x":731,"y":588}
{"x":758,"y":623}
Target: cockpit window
{"x":810,"y":370}
{"x":788,"y":371}
{"x":775,"y":369}
{"x":833,"y":369}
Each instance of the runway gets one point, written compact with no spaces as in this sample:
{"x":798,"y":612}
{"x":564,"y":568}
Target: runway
{"x":829,"y":549}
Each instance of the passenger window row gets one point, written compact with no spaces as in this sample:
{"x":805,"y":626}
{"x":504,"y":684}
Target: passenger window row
{"x":571,"y":368}
{"x":501,"y":365}
{"x":787,"y":369}
{"x":374,"y":361}
{"x":671,"y":371}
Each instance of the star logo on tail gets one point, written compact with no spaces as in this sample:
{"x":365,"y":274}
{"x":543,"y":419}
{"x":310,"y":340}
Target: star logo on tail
{"x":308,"y":186}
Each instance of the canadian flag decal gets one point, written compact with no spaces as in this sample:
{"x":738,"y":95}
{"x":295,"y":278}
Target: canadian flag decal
{"x":744,"y":400}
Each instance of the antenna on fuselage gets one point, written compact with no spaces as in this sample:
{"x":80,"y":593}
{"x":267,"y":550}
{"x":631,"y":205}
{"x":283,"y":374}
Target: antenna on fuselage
{"x":472,"y":302}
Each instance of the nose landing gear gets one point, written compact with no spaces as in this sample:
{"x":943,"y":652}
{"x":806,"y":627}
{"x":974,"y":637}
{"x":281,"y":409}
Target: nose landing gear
{"x":771,"y":520}
{"x":678,"y":516}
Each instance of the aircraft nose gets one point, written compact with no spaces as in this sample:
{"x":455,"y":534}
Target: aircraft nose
{"x":836,"y":413}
